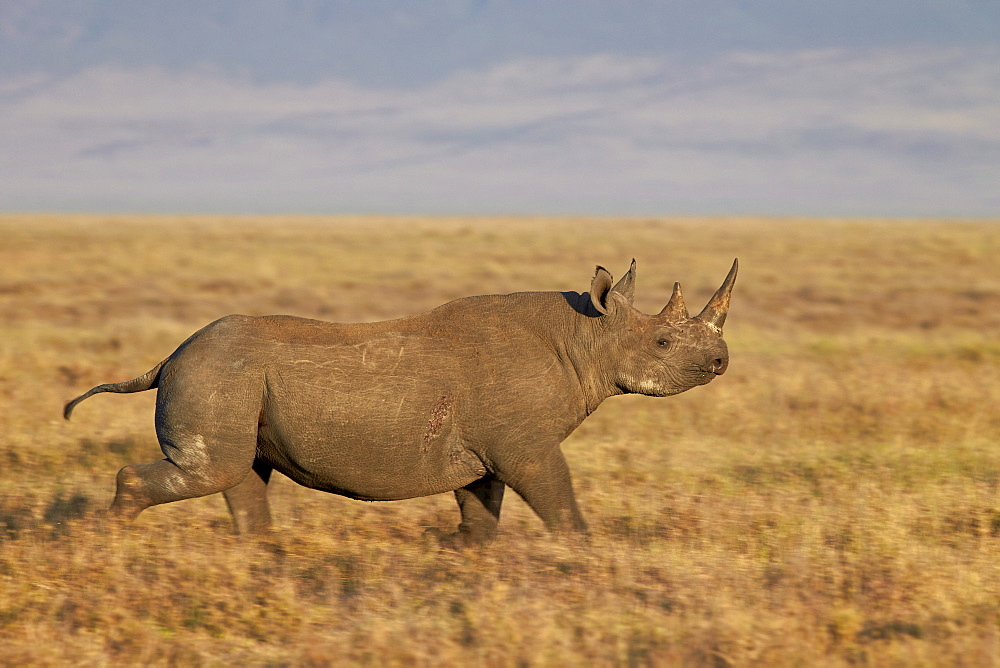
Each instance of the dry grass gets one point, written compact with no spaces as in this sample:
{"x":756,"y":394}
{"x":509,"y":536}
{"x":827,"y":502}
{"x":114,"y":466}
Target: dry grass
{"x":832,"y":500}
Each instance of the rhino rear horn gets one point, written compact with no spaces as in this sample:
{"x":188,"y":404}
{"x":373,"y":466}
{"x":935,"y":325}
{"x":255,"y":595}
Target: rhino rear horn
{"x":715,"y":311}
{"x":675,"y":309}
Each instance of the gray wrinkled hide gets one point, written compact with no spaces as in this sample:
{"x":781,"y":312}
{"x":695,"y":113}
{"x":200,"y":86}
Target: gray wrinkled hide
{"x":473,"y":396}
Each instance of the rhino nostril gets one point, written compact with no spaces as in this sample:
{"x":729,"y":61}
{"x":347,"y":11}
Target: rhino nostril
{"x":719,"y":366}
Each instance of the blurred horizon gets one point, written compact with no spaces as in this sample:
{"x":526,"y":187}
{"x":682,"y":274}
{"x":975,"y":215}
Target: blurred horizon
{"x":466,"y":107}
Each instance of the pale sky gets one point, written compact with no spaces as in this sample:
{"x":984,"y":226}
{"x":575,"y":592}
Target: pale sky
{"x":464,"y":107}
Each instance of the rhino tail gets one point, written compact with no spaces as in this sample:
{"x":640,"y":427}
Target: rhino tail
{"x":146,"y":381}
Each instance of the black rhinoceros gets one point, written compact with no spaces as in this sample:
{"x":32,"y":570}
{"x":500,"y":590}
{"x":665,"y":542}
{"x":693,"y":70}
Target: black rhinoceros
{"x":469,"y":397}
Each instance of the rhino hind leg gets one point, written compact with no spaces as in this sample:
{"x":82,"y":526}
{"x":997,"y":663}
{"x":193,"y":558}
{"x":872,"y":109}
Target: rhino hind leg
{"x":247,"y":501}
{"x":196,"y":465}
{"x":153,"y":483}
{"x":479,"y":503}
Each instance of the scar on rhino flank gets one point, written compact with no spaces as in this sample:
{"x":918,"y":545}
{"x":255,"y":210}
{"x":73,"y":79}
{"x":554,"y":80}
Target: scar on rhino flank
{"x":436,"y":421}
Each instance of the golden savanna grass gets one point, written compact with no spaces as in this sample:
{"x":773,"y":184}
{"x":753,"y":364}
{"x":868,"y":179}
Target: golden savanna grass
{"x":831,"y":500}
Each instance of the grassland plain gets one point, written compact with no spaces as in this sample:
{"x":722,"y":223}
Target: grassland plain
{"x":832,"y":500}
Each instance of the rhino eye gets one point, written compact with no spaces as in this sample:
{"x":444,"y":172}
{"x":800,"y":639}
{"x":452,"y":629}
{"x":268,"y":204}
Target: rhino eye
{"x":663,"y":343}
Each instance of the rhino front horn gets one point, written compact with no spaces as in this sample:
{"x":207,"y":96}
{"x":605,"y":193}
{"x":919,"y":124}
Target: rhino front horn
{"x":715,"y":311}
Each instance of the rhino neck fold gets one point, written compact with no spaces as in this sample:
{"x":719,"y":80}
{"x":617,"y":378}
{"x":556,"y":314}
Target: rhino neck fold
{"x":566,"y":325}
{"x":589,"y":362}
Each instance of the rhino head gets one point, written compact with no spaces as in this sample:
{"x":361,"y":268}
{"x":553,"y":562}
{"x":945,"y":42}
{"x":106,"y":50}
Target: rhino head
{"x":663,"y":354}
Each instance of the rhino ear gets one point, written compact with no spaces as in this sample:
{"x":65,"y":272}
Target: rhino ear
{"x":626,"y":285}
{"x":600,"y":289}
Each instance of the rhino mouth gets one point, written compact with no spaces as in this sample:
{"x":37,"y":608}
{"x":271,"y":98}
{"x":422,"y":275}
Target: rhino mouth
{"x":709,"y":373}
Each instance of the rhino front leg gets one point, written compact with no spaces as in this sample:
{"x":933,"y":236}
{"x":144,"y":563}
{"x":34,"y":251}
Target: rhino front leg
{"x":543,"y":480}
{"x":247,"y":501}
{"x":479,"y":504}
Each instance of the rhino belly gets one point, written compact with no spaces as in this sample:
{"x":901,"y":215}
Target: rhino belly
{"x":371,"y":457}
